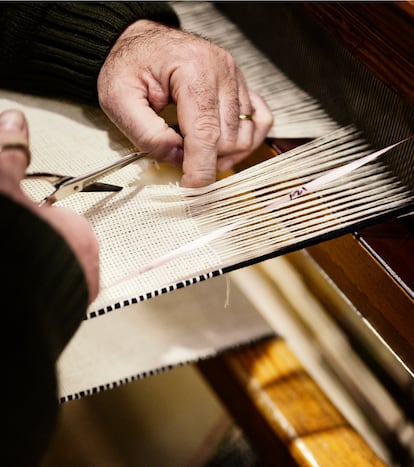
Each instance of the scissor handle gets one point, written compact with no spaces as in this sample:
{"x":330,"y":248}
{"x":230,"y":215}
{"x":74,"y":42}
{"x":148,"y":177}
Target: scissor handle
{"x":47,"y":176}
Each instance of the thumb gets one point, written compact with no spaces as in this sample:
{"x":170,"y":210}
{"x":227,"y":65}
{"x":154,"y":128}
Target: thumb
{"x":14,"y":140}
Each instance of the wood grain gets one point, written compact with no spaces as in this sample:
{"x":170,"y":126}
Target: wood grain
{"x":372,"y":290}
{"x":380,"y":34}
{"x":294,"y":422}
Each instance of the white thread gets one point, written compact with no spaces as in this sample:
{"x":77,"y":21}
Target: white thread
{"x":297,"y":114}
{"x":265,"y":208}
{"x":228,"y":283}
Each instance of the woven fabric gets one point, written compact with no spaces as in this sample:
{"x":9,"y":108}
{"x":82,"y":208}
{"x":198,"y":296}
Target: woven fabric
{"x":146,"y":338}
{"x":152,"y":216}
{"x":132,"y":226}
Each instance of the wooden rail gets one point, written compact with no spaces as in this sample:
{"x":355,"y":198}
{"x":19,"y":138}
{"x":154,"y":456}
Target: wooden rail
{"x":287,"y":417}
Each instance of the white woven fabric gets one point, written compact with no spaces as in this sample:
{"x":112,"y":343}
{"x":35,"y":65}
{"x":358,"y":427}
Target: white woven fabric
{"x":133,"y":226}
{"x":149,"y":336}
{"x":150,"y":218}
{"x":174,"y":329}
{"x":153,"y":216}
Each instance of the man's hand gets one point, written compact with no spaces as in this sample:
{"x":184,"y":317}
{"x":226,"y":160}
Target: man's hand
{"x":152,"y":65}
{"x":14,"y":159}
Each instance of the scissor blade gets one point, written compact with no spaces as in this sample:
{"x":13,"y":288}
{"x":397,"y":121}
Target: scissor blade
{"x":91,"y":177}
{"x":97,"y":187}
{"x":82,"y":182}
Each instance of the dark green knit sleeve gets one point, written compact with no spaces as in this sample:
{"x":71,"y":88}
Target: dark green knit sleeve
{"x":44,"y":297}
{"x":58,"y":48}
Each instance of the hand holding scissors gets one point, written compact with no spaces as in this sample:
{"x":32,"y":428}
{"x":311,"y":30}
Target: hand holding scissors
{"x":66,"y":185}
{"x":75,"y":229}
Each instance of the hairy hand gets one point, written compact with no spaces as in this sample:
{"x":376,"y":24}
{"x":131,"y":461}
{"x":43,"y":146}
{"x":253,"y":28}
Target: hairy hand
{"x":152,"y":65}
{"x":73,"y":228}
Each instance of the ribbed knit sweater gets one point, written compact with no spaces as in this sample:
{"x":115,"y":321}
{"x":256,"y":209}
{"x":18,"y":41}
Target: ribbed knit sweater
{"x":44,"y":297}
{"x":58,"y":48}
{"x":52,"y":49}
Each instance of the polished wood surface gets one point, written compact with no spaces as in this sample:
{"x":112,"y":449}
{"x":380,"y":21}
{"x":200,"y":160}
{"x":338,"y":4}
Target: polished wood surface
{"x":371,"y":267}
{"x":373,"y":290}
{"x":285,"y":414}
{"x":281,"y":409}
{"x":380,"y":34}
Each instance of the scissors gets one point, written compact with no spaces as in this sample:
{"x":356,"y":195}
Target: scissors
{"x":65,"y":185}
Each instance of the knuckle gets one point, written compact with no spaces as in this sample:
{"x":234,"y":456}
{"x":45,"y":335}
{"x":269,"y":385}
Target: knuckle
{"x":207,"y":129}
{"x":103,"y":99}
{"x":232,"y":122}
{"x":242,"y":145}
{"x":229,"y":62}
{"x":245,"y":146}
{"x":193,"y":50}
{"x":226,"y":147}
{"x":199,"y":178}
{"x":268,"y":120}
{"x":105,"y":95}
{"x":153,"y":142}
{"x":203,"y":95}
{"x":229,"y":144}
{"x":264,"y":126}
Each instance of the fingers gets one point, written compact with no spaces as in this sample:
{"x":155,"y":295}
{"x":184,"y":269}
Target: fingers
{"x":199,"y":118}
{"x":211,"y":94}
{"x":233,"y":100}
{"x":77,"y":232}
{"x":151,"y":65}
{"x":260,"y":125}
{"x":128,"y":107}
{"x":216,"y":138}
{"x":14,"y":159}
{"x":14,"y":140}
{"x":133,"y":87}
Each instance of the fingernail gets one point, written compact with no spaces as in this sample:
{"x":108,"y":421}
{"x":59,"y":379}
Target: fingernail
{"x":12,"y":120}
